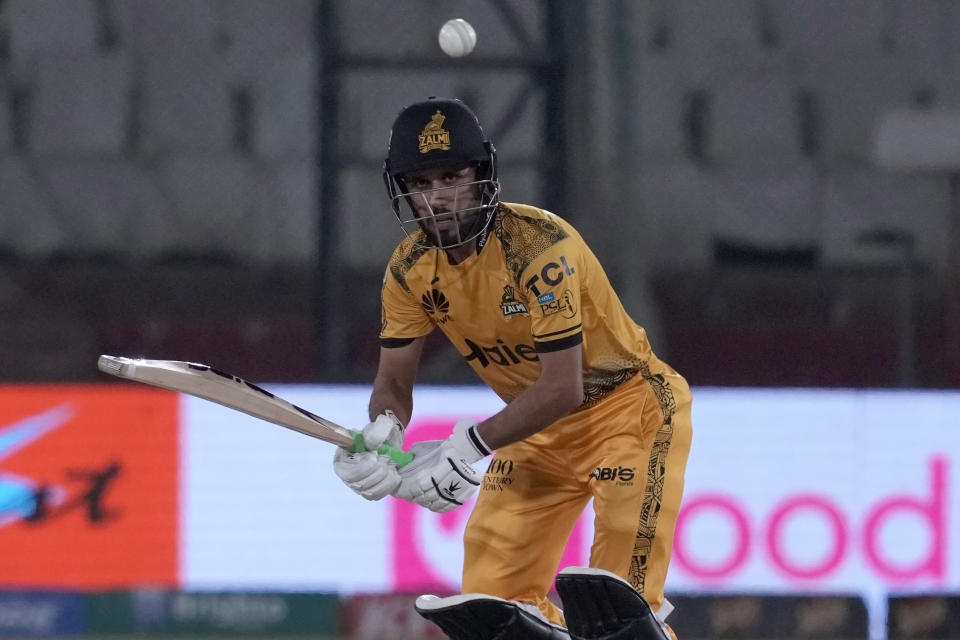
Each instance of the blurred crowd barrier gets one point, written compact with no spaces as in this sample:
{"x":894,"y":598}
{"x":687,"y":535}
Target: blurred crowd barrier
{"x":736,"y":325}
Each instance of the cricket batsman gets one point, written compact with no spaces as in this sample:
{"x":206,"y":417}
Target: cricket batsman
{"x":591,"y":412}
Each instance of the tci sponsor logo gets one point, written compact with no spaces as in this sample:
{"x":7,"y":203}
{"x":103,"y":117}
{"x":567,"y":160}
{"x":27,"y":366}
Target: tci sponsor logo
{"x":765,"y":537}
{"x":552,"y":274}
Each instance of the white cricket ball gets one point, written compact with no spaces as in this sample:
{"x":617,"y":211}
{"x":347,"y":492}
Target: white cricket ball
{"x":457,"y":37}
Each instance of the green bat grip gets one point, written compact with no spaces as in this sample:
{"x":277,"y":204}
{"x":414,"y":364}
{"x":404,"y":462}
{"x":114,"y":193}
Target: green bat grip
{"x":401,"y":457}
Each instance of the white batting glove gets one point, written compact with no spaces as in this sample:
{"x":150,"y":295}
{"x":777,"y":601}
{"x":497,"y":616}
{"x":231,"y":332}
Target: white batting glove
{"x":368,"y":473}
{"x":441,"y":477}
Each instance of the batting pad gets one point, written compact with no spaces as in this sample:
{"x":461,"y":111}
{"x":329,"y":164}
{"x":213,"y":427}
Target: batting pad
{"x":477,"y":616}
{"x":600,"y":605}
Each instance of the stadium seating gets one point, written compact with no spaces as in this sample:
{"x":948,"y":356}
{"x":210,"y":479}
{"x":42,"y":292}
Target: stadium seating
{"x":214,"y":201}
{"x":6,"y":119}
{"x":769,"y":206}
{"x":80,"y":106}
{"x":283,"y":121}
{"x":825,"y":30}
{"x":147,"y":27}
{"x":50,"y":27}
{"x":110,"y":206}
{"x":852,"y":91}
{"x":677,"y":214}
{"x":187,"y":103}
{"x":914,"y":206}
{"x":754,"y":114}
{"x":30,"y":227}
{"x":708,"y":25}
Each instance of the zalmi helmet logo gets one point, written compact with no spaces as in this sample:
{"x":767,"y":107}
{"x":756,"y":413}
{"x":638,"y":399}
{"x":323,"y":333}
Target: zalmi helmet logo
{"x":434,"y":136}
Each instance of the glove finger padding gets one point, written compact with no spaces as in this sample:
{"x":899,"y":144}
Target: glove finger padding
{"x":385,"y":428}
{"x":369,"y":474}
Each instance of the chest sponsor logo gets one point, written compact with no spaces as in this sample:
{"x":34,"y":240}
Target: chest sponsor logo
{"x":501,"y":354}
{"x":509,"y":304}
{"x":552,"y":274}
{"x":437,"y":305}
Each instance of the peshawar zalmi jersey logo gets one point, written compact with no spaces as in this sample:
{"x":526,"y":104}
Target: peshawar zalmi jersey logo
{"x":509,"y":304}
{"x":434,"y":136}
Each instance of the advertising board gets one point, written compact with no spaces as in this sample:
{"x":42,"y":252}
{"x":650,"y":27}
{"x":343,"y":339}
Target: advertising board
{"x":89,"y":487}
{"x":788,"y":491}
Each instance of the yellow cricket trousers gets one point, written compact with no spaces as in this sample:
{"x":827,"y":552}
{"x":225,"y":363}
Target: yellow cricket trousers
{"x":628,"y":452}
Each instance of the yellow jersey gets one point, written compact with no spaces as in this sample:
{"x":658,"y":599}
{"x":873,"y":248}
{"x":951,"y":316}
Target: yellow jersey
{"x":533,"y":286}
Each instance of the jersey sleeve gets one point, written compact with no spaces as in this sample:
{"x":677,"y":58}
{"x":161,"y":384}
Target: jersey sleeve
{"x":551,"y":285}
{"x":402,"y":318}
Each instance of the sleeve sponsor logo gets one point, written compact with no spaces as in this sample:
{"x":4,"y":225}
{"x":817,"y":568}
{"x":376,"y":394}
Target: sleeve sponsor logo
{"x":552,"y":274}
{"x":563,"y":305}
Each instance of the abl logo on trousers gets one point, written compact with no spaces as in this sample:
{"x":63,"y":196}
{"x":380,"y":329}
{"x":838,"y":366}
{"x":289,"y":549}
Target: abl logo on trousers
{"x":623,"y":476}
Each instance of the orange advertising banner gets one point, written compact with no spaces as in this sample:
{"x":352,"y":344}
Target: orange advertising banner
{"x":88,"y":487}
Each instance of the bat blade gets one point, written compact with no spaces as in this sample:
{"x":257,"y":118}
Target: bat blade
{"x":231,"y":391}
{"x":228,"y":390}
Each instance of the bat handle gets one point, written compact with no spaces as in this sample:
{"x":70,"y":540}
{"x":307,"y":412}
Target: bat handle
{"x":401,"y":457}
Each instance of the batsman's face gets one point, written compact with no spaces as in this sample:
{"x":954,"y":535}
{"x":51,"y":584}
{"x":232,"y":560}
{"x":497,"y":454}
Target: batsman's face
{"x":444,"y":200}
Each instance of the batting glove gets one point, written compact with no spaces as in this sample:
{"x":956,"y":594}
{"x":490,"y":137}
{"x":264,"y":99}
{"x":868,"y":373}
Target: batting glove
{"x":368,"y":473}
{"x":441,"y":477}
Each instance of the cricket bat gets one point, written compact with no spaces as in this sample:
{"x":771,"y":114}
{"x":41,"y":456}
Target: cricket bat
{"x":236,"y":393}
